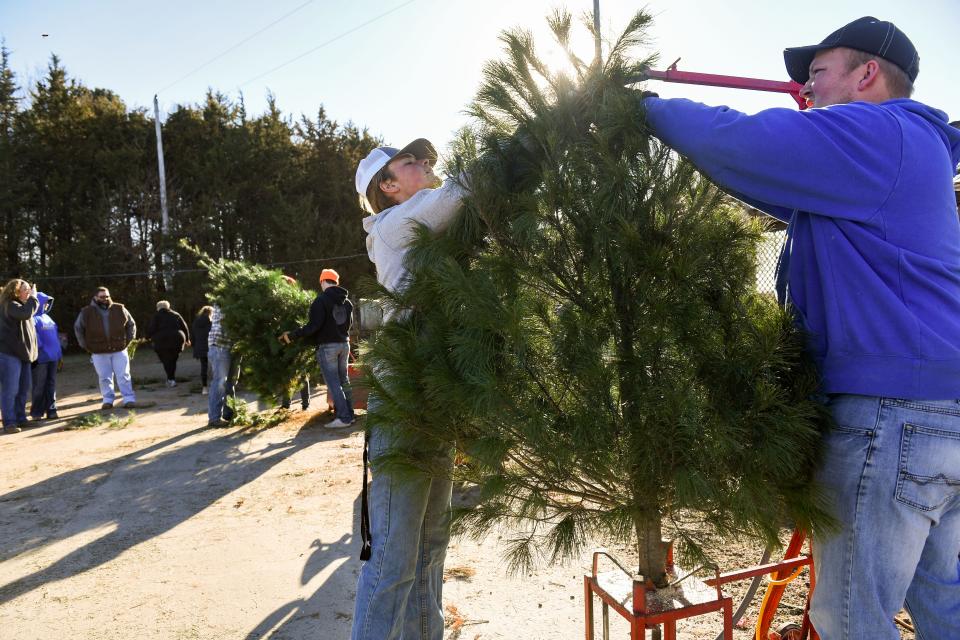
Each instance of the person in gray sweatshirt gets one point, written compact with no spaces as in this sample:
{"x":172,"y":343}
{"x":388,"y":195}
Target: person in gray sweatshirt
{"x":399,"y":588}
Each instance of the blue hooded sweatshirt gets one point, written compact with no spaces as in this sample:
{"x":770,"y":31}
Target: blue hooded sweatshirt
{"x":48,"y":338}
{"x":874,"y":237}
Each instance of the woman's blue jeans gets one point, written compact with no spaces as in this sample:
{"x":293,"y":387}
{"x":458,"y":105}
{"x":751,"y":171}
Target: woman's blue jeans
{"x":14,"y":388}
{"x":399,"y":593}
{"x":892,"y":470}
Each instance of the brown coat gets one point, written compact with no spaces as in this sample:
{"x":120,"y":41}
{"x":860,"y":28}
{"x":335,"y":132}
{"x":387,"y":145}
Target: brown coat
{"x":97,"y":340}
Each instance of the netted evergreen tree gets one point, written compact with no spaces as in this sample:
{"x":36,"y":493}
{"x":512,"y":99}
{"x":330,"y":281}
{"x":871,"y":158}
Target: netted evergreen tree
{"x":258,"y":304}
{"x":588,"y":332}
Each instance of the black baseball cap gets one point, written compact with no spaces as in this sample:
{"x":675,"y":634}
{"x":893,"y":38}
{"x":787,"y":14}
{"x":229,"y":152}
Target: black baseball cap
{"x":878,"y":37}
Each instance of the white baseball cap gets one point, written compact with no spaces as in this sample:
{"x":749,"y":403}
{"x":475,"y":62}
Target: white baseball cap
{"x":379,"y":157}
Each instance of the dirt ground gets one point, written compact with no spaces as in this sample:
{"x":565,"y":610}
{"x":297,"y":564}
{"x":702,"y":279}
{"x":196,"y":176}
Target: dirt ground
{"x":151,"y":526}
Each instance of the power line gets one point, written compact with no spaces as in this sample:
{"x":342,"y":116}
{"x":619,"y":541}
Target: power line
{"x":245,"y":40}
{"x":178,"y":271}
{"x":330,"y":41}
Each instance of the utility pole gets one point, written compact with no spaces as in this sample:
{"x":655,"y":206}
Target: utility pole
{"x":165,"y":276}
{"x":596,"y":30}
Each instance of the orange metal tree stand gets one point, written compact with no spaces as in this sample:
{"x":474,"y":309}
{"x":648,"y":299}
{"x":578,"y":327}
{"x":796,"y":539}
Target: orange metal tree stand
{"x":645,"y":607}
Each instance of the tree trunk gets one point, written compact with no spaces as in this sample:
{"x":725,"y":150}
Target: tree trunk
{"x":650,"y":546}
{"x":652,"y":564}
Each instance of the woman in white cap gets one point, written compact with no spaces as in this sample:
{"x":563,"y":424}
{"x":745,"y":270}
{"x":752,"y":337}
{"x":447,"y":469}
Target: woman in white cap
{"x":399,"y":589}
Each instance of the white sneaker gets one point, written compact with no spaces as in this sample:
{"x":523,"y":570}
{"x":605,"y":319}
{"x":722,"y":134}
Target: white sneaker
{"x":337,"y":424}
{"x":203,"y":391}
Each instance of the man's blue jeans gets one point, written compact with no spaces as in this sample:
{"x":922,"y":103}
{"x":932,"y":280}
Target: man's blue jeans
{"x":223,"y":379}
{"x":117,"y":364}
{"x":399,"y":592}
{"x":14,"y":387}
{"x":892,"y":470}
{"x":334,"y":358}
{"x":44,"y":389}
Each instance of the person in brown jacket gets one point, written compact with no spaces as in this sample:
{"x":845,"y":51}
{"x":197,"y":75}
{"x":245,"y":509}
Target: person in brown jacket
{"x":105,"y":328}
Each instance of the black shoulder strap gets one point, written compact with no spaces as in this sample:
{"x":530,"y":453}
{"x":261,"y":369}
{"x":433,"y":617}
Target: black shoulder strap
{"x":365,"y":537}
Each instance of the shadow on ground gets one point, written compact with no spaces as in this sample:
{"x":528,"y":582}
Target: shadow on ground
{"x":319,"y":616}
{"x":316,"y":616}
{"x":141,"y":495}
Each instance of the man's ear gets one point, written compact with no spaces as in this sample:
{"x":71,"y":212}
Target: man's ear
{"x":869,"y":76}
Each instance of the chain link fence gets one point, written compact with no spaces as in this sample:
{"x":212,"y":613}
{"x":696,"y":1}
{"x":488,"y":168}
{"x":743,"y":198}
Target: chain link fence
{"x":767,"y":256}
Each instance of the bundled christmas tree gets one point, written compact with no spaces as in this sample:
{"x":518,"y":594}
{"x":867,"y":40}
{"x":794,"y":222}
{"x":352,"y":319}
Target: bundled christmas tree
{"x":588,"y":332}
{"x":259,"y":304}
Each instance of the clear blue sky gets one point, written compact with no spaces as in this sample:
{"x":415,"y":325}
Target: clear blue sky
{"x":411,"y":73}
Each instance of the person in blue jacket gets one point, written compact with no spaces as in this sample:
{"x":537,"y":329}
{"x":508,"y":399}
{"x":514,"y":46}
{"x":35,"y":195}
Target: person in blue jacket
{"x":871,"y":270}
{"x":49,"y":361}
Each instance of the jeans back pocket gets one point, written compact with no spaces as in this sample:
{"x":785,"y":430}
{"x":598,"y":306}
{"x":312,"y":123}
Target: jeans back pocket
{"x":929,"y":467}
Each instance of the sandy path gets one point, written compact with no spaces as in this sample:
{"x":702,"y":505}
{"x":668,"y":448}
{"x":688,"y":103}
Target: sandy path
{"x":163,"y":529}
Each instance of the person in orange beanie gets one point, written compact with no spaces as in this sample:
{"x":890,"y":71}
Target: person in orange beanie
{"x":331,"y":316}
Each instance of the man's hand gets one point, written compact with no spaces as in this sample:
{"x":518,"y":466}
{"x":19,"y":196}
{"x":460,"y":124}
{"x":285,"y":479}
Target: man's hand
{"x":60,"y":365}
{"x":285,"y":337}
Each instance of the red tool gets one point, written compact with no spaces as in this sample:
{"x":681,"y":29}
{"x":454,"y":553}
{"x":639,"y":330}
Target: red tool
{"x":732,"y":82}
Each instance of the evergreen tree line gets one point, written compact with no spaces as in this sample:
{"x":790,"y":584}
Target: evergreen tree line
{"x":80,"y":195}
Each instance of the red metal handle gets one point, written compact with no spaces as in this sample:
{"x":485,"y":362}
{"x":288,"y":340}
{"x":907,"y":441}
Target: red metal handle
{"x":732,"y":82}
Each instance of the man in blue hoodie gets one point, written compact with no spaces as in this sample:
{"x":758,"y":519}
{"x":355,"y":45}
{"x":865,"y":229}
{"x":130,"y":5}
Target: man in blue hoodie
{"x":44,"y":370}
{"x":872,"y":272}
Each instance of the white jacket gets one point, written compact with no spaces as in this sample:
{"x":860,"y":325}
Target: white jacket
{"x":390,"y":232}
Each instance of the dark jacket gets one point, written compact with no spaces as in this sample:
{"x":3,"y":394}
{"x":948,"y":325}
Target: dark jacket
{"x":201,"y":332}
{"x":321,"y":327}
{"x":168,"y":331}
{"x":48,"y":337}
{"x":18,"y":337}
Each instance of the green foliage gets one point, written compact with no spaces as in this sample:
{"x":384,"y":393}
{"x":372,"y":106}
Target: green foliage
{"x":588,"y":331}
{"x":98,"y":419}
{"x":258,"y":304}
{"x":132,"y":348}
{"x":243,"y":418}
{"x":79,"y":192}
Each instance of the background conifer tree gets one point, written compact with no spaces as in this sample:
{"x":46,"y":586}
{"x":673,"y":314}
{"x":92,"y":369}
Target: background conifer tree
{"x":80,"y":203}
{"x":588,"y":331}
{"x":258,"y":304}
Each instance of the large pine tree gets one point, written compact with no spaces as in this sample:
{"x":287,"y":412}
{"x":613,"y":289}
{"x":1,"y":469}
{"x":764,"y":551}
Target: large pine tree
{"x":588,"y":332}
